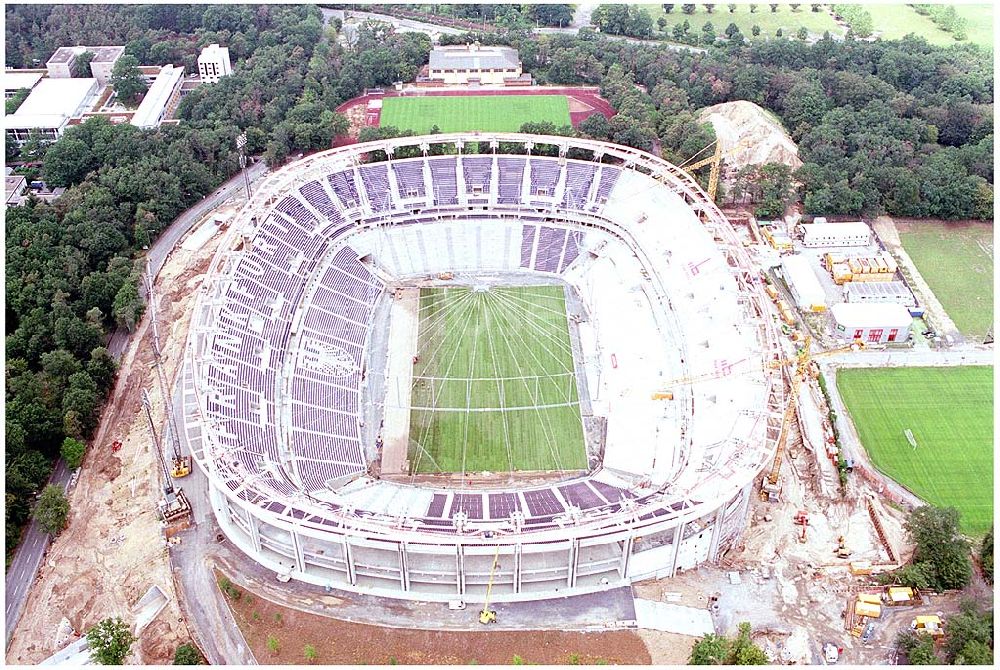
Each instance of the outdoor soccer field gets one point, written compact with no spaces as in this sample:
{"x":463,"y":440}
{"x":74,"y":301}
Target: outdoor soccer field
{"x":502,"y":113}
{"x":494,"y":384}
{"x":957,"y":262}
{"x":950,"y":411}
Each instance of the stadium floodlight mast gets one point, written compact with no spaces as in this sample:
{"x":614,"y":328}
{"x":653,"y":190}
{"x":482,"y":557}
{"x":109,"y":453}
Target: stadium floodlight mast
{"x":241,"y":143}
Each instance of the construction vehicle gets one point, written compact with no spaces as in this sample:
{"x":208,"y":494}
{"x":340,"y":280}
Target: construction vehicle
{"x":804,"y":365}
{"x":174,"y":505}
{"x":116,"y":446}
{"x":487,"y":616}
{"x":802,"y":519}
{"x":842,"y":550}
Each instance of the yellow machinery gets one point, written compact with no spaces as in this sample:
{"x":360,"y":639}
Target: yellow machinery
{"x":181,"y":467}
{"x":716,"y":162}
{"x":487,"y":615}
{"x":804,"y":365}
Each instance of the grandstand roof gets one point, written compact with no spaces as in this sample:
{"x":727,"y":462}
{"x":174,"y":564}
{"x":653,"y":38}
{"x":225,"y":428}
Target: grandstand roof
{"x":473,"y":57}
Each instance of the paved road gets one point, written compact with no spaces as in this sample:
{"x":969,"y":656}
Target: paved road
{"x":957,"y":355}
{"x":432,"y":29}
{"x":28,"y":559}
{"x":169,"y":238}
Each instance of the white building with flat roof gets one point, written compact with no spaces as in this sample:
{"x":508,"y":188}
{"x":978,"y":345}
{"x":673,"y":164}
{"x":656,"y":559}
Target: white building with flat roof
{"x":50,"y":106}
{"x":162,"y":94}
{"x":803,"y":283}
{"x":462,"y":64}
{"x":213,"y":63}
{"x":60,"y":65}
{"x":879,"y":292}
{"x":847,"y":234}
{"x":15,"y":81}
{"x":872,"y":322}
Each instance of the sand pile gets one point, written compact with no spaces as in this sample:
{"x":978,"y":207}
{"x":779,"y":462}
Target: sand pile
{"x":756,"y":132}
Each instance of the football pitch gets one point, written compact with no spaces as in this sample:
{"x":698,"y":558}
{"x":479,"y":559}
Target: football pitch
{"x":494,"y":386}
{"x":950,"y":412}
{"x":501,"y":113}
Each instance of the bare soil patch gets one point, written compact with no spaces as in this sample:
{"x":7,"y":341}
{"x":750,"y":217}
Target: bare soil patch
{"x":344,"y":643}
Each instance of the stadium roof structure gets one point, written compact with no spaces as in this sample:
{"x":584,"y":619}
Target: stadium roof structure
{"x":275,"y":370}
{"x":51,"y":103}
{"x":473,"y":57}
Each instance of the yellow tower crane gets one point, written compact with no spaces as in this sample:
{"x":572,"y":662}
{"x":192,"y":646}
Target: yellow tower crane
{"x":715,"y":160}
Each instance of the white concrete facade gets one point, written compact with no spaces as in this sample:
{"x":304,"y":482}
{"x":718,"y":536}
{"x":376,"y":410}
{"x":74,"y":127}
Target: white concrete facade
{"x":461,"y":64}
{"x":213,"y":63}
{"x":847,"y":234}
{"x":50,"y":106}
{"x":872,"y":322}
{"x":803,"y":283}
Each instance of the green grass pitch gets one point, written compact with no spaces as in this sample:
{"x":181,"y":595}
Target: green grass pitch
{"x":950,"y":411}
{"x":494,"y":384}
{"x":957,"y":262}
{"x":501,"y":113}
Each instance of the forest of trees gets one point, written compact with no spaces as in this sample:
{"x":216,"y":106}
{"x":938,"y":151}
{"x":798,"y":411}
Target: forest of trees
{"x":900,"y":127}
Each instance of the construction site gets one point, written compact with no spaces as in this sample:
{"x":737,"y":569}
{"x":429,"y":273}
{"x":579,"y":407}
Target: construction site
{"x":793,"y":549}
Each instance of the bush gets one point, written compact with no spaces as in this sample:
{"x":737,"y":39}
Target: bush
{"x":52,"y":510}
{"x":230,"y":589}
{"x":188,"y":654}
{"x":72,"y":452}
{"x":986,"y":557}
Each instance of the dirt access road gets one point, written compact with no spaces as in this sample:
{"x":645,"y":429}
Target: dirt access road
{"x":113,"y":549}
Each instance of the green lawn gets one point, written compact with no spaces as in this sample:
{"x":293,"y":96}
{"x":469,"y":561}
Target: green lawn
{"x":474,"y":112}
{"x":494,"y":383}
{"x":784,"y":18}
{"x":894,"y":21}
{"x":950,"y":411}
{"x":957,"y":262}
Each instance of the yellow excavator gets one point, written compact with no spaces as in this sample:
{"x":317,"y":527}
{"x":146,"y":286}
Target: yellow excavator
{"x":804,"y":365}
{"x":487,"y":615}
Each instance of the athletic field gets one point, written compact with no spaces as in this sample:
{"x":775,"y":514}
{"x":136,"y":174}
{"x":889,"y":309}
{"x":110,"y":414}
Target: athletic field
{"x":494,"y":387}
{"x":957,"y":262}
{"x":502,"y":113}
{"x":950,"y":412}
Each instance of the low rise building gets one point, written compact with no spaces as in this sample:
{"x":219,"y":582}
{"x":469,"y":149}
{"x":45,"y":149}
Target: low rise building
{"x":803,"y":283}
{"x":895,"y":292}
{"x":473,"y":63}
{"x":14,"y":81}
{"x":50,"y":106}
{"x":213,"y":63}
{"x":872,"y":322}
{"x":60,"y":65}
{"x":160,"y":99}
{"x":14,"y":186}
{"x":847,"y":234}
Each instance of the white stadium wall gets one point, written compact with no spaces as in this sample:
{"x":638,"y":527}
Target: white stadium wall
{"x":280,"y":324}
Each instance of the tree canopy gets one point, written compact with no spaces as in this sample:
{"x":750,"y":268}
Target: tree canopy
{"x":52,"y":510}
{"x":110,"y":641}
{"x":721,"y":650}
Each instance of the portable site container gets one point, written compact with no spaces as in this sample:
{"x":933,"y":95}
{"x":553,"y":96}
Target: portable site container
{"x":841,"y":273}
{"x":870,"y":610}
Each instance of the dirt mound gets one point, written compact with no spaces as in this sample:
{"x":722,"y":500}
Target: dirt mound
{"x":756,"y":132}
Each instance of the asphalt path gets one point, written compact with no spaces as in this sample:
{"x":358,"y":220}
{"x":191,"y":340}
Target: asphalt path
{"x":28,"y":559}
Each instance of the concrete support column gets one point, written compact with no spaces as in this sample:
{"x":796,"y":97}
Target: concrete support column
{"x":517,"y":568}
{"x":460,"y":568}
{"x":352,"y":574}
{"x":678,"y":535}
{"x":254,"y":529}
{"x":574,"y":555}
{"x":300,"y":558}
{"x":626,"y":555}
{"x":404,"y":568}
{"x":713,"y":548}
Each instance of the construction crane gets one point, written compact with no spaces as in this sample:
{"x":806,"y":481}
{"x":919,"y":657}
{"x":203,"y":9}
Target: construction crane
{"x":174,"y":505}
{"x":715,"y":160}
{"x":180,"y":465}
{"x":487,"y":615}
{"x":804,"y":362}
